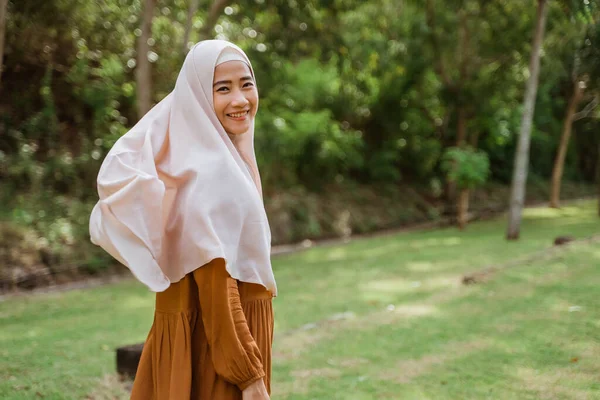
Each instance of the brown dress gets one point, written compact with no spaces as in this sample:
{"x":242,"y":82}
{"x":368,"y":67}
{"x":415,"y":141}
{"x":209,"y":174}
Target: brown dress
{"x":211,"y":338}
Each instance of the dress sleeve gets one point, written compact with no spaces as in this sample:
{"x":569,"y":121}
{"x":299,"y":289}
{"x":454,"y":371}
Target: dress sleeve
{"x":235,"y":355}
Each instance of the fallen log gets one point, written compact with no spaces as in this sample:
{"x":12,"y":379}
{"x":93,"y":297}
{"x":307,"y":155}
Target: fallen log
{"x":561,"y":243}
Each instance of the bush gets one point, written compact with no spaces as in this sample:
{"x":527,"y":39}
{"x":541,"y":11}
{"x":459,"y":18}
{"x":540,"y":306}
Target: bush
{"x":467,"y":167}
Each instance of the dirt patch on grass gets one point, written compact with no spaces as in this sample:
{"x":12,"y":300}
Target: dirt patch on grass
{"x":407,"y":370}
{"x":292,"y":345}
{"x":395,"y":314}
{"x":552,"y":385}
{"x":110,"y":387}
{"x":506,"y":328}
{"x":320,"y":372}
{"x":350,"y":362}
{"x":302,"y":380}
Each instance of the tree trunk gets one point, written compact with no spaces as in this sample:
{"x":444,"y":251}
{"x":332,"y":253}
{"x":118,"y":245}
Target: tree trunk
{"x":3,"y":7}
{"x":213,"y":16}
{"x":143,"y":72}
{"x":519,"y":179}
{"x":598,"y":177}
{"x":463,"y":208}
{"x":461,"y":134}
{"x":189,"y":23}
{"x":440,"y":67}
{"x":461,"y":127}
{"x":559,"y":161}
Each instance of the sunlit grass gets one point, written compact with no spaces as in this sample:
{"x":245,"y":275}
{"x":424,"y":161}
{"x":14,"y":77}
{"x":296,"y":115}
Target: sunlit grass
{"x":384,"y":317}
{"x":531,"y":333}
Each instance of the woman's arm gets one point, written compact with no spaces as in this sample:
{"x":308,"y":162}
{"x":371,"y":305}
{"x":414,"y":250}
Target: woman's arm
{"x":235,"y":354}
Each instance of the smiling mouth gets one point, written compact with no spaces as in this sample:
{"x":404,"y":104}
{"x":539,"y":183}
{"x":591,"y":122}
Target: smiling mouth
{"x":238,"y":114}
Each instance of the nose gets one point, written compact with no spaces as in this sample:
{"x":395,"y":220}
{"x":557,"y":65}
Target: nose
{"x":239,"y":99}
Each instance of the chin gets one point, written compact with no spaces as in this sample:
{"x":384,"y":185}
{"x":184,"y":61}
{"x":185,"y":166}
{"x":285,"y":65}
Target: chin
{"x":237,"y":130}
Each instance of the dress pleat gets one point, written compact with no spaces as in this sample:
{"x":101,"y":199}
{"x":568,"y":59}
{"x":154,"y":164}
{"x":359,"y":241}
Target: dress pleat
{"x":177,"y":361}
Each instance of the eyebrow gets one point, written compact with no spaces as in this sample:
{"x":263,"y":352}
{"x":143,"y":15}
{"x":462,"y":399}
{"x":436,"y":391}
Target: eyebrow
{"x":245,"y":78}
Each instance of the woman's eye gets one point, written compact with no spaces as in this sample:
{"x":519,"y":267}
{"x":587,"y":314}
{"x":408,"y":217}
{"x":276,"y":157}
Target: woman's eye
{"x":222,"y":89}
{"x":248,"y":84}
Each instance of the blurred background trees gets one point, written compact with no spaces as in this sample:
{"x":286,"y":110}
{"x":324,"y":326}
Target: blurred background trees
{"x":359,"y":100}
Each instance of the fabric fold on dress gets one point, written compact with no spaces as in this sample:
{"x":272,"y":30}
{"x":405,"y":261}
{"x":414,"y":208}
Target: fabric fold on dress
{"x":210,"y":339}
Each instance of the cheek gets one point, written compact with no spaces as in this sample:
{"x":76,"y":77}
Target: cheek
{"x":219,"y":105}
{"x":253,"y":99}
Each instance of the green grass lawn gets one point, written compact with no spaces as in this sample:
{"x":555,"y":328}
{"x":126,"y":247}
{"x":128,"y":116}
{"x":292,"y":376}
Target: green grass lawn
{"x":380,"y":318}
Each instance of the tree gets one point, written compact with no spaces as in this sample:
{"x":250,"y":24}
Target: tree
{"x":143,"y":72}
{"x":468,"y":168}
{"x":519,"y":180}
{"x":215,"y":11}
{"x":583,"y":78}
{"x":571,"y":116}
{"x":193,"y":7}
{"x":3,"y":9}
{"x":472,"y":68}
{"x":598,"y":177}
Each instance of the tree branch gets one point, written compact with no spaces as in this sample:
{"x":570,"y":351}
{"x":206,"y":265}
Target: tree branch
{"x":587,"y":109}
{"x":427,"y":112}
{"x":463,"y":44}
{"x":193,"y":7}
{"x":217,"y":8}
{"x":3,"y":12}
{"x":441,"y":69}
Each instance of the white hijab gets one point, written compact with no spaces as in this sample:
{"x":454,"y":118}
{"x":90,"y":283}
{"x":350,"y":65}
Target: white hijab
{"x":176,"y":191}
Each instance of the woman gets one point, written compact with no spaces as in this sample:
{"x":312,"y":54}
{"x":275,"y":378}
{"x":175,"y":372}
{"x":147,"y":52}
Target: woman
{"x":181,"y":206}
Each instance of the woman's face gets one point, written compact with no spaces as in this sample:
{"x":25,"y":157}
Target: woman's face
{"x":235,"y":97}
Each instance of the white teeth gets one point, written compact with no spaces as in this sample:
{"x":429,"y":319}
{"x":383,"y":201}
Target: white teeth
{"x":238,"y":115}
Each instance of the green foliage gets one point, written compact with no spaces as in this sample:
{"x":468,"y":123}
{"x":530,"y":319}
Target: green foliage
{"x":340,"y":97}
{"x":299,"y":134}
{"x":467,"y":167}
{"x":351,"y":91}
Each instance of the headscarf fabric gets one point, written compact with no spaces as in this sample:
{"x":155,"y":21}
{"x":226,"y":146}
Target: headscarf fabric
{"x":177,"y":191}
